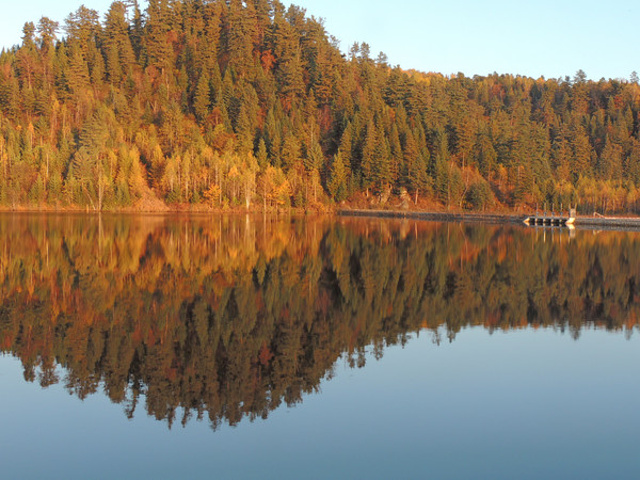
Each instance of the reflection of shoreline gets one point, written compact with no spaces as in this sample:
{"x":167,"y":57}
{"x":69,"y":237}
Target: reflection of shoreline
{"x":230,"y":317}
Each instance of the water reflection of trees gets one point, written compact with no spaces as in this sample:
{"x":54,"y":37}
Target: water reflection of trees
{"x":231,"y":317}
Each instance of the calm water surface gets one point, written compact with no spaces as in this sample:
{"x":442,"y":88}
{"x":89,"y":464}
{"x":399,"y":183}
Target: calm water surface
{"x":253,"y":347}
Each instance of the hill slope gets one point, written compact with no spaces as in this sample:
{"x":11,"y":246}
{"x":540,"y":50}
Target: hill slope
{"x":219,"y":103}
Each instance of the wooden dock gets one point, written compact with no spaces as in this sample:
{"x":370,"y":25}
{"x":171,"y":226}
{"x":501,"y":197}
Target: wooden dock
{"x":551,"y":220}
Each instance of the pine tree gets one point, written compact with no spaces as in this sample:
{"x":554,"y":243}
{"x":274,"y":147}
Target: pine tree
{"x":610,"y":162}
{"x":157,"y":48}
{"x":47,"y":30}
{"x":120,"y":57}
{"x":262,"y":155}
{"x":369,"y":156}
{"x":291,"y":152}
{"x":314,"y":160}
{"x":582,"y":153}
{"x":337,"y":184}
{"x":202,"y":100}
{"x":239,"y":32}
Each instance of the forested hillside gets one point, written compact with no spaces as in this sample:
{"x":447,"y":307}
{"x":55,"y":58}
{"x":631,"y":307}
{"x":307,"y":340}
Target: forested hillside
{"x":252,"y":104}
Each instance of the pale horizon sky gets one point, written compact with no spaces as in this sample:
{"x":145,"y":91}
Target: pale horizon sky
{"x":550,"y":38}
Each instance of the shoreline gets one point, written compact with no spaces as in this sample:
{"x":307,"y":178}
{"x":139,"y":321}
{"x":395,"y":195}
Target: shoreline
{"x":608,"y":223}
{"x":581,"y":221}
{"x":176,"y":210}
{"x":434,"y":216}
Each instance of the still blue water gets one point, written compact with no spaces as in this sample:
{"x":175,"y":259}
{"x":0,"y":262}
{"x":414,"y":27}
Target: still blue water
{"x":464,"y":384}
{"x":526,"y":404}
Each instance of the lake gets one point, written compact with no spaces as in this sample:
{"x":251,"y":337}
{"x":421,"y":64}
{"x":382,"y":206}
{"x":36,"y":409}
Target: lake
{"x":311,"y":348}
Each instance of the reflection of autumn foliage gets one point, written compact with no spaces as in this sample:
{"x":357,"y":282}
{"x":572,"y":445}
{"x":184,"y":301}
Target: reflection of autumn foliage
{"x":230,"y":317}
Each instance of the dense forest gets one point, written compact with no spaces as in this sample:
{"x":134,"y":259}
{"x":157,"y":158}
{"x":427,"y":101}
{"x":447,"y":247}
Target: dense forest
{"x":229,"y":319}
{"x":222,"y":104}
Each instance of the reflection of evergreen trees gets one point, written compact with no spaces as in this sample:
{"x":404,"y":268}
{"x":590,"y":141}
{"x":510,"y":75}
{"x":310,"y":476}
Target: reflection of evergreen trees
{"x":231,"y":317}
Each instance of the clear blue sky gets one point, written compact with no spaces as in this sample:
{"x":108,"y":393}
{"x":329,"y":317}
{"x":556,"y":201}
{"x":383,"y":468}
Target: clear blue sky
{"x":552,"y":38}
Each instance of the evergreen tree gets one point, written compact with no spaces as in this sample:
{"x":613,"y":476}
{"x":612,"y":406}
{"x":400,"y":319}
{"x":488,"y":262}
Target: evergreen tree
{"x":202,"y":100}
{"x":338,"y":178}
